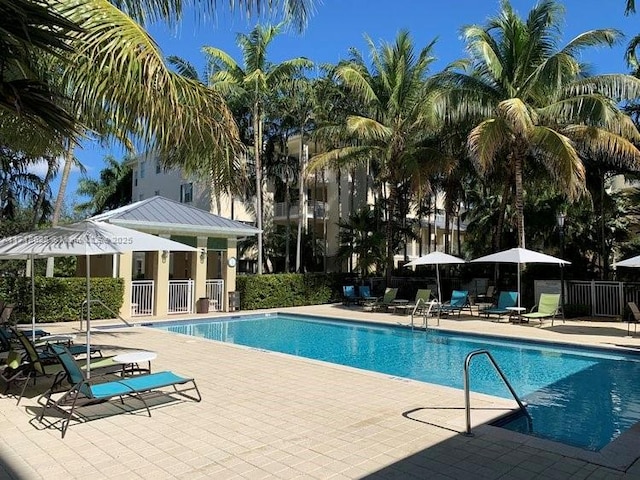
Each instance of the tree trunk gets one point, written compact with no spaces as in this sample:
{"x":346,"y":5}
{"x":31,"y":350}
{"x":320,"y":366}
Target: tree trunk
{"x":517,"y":157}
{"x":37,"y":214}
{"x":57,"y":209}
{"x":257,"y":141}
{"x":393,"y":191}
{"x":301,"y":202}
{"x":287,"y":205}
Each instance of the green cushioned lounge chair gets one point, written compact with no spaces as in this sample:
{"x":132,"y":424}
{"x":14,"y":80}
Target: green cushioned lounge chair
{"x":85,"y":392}
{"x":548,"y":307}
{"x":37,"y":364}
{"x":387,"y":299}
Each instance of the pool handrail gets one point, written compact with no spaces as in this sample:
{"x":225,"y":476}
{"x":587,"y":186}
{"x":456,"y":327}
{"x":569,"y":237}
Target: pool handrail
{"x":467,"y":401}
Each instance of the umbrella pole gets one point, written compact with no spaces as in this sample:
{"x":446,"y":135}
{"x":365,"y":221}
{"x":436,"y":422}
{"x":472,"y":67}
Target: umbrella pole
{"x":33,"y":299}
{"x":519,"y":294}
{"x":87,"y":258}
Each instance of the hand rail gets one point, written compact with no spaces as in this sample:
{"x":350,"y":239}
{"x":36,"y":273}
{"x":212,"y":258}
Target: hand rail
{"x":467,"y":401}
{"x":425,"y":315}
{"x":97,"y":300}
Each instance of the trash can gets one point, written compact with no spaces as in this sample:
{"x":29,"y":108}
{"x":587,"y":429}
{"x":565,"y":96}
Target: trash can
{"x":234,"y":301}
{"x":202,"y":305}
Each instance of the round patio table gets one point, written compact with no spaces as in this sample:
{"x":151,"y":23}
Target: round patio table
{"x":130,"y":361}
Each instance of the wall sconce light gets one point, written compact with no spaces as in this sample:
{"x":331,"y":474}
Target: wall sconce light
{"x":203,"y":255}
{"x":165,"y":255}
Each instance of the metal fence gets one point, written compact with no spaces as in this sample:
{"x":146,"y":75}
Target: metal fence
{"x":142,"y":298}
{"x":215,"y":293}
{"x":180,"y":296}
{"x":605,"y":299}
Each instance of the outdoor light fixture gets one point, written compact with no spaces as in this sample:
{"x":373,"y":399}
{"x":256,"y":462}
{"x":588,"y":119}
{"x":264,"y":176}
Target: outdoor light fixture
{"x":560,"y":218}
{"x":203,"y":255}
{"x":165,"y":255}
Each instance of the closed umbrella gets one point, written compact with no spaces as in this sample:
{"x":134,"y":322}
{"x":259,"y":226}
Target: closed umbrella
{"x":520,"y":256}
{"x":85,"y":238}
{"x":436,"y":258}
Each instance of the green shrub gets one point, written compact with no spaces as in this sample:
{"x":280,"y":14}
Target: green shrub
{"x":287,"y":290}
{"x":60,"y":299}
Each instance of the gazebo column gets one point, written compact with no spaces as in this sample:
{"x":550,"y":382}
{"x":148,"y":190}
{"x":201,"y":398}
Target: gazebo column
{"x":161,"y":288}
{"x":125,"y":269}
{"x":199,"y":268}
{"x":230,"y":271}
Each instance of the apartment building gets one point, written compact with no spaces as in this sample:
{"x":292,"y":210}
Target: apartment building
{"x":329,"y":195}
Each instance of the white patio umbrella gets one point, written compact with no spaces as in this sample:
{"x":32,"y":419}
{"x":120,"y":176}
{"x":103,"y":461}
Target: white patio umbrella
{"x":436,"y":258}
{"x":520,"y":256}
{"x":84,"y":238}
{"x":629,"y":262}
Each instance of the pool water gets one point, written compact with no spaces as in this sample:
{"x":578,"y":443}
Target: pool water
{"x":582,"y":397}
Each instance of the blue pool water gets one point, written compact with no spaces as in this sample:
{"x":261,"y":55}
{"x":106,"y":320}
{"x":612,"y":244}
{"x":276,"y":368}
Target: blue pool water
{"x":582,"y":397}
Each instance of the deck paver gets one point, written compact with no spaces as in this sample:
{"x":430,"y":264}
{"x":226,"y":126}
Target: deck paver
{"x":268,"y":415}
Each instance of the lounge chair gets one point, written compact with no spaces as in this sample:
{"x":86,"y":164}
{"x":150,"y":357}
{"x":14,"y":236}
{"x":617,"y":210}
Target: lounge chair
{"x":386,"y":300}
{"x":349,"y":295}
{"x":505,"y":300}
{"x":364,"y":293}
{"x":37,"y":363}
{"x":459,"y":301}
{"x":84,"y":392}
{"x":547,"y":307}
{"x":5,"y":314}
{"x":488,"y":296}
{"x":632,"y":317}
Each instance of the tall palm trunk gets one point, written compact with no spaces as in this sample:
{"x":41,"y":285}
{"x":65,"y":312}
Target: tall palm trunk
{"x":517,"y":161}
{"x":257,"y":140}
{"x":287,"y":206}
{"x":393,"y":192}
{"x":37,"y":208}
{"x":301,"y":202}
{"x":57,"y":209}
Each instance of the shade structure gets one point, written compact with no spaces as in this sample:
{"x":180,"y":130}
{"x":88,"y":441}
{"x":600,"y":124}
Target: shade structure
{"x":436,"y":258}
{"x":520,"y":256}
{"x":85,"y":238}
{"x":633,"y":262}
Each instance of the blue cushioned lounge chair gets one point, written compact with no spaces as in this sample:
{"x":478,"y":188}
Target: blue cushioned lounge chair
{"x":85,"y":392}
{"x":505,"y":300}
{"x":459,"y":301}
{"x":349,"y":294}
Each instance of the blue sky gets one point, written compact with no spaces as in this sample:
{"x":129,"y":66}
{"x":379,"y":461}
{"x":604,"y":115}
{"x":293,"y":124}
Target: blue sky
{"x":338,"y":25}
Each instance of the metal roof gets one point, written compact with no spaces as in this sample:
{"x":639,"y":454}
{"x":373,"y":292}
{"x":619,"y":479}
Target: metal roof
{"x":162,"y":215}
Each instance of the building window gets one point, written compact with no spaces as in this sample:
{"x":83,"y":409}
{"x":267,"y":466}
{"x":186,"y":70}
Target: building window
{"x":156,"y":193}
{"x":186,"y":192}
{"x":142,"y":168}
{"x":135,"y":178}
{"x":158,"y":167}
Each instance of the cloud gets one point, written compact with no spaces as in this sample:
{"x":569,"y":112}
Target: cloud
{"x":40,"y":168}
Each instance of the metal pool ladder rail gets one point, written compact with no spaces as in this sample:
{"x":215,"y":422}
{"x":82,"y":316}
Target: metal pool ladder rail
{"x":425,"y":314}
{"x":467,"y":402}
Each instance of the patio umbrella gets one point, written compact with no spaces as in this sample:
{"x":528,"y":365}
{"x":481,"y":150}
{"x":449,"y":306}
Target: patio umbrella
{"x":84,"y":238}
{"x":520,"y":256}
{"x":629,"y":262}
{"x":436,"y":258}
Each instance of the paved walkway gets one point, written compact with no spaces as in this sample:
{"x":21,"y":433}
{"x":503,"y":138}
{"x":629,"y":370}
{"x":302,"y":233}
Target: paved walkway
{"x":268,"y":415}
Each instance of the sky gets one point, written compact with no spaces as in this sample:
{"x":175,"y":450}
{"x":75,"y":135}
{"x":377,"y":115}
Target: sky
{"x":338,"y":25}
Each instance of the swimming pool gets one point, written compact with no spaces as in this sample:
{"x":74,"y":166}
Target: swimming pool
{"x":578,"y":396}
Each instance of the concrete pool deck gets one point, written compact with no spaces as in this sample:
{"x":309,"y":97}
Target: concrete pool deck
{"x":268,"y":415}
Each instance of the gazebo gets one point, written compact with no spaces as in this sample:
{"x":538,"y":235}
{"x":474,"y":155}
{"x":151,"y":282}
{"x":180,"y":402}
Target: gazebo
{"x":161,"y":283}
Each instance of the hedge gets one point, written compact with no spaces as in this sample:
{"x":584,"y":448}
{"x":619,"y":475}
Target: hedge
{"x":287,"y":290}
{"x":60,"y":299}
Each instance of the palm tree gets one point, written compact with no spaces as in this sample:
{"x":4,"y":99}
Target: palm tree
{"x":533,"y":103}
{"x":252,"y":83}
{"x":394,"y":124}
{"x":110,"y":191}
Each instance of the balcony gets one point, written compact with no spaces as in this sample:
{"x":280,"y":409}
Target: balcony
{"x":280,"y":211}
